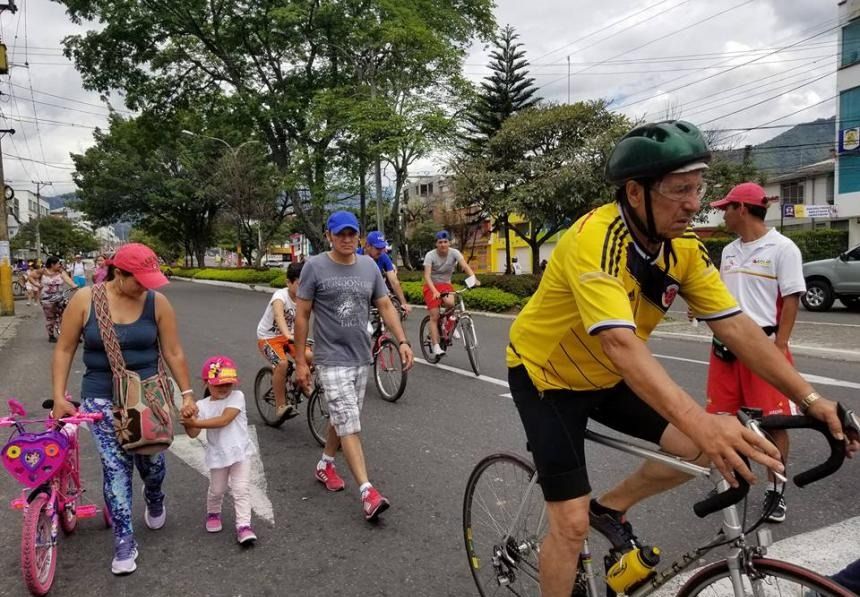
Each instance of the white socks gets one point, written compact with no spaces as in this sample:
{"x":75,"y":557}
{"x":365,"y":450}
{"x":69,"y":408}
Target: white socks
{"x":364,"y":487}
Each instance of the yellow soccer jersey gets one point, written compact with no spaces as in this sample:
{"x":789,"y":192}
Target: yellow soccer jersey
{"x":599,"y":278}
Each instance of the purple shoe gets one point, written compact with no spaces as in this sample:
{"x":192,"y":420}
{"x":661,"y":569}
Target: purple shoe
{"x":245,"y":535}
{"x":213,"y":522}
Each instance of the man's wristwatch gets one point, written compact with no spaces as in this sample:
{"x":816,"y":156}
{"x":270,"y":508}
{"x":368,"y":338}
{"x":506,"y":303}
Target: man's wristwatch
{"x":807,"y":402}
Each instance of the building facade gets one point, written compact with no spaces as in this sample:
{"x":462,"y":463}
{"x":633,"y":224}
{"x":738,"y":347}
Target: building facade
{"x":847,"y":191}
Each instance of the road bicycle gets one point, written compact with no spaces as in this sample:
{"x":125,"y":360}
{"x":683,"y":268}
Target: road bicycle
{"x":388,"y":372}
{"x":47,"y":464}
{"x":453,"y":322}
{"x":264,"y":397}
{"x":19,"y":286}
{"x":504,"y":522}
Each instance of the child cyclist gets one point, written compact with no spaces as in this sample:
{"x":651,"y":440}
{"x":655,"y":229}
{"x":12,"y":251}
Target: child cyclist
{"x":228,"y":445}
{"x":275,"y":337}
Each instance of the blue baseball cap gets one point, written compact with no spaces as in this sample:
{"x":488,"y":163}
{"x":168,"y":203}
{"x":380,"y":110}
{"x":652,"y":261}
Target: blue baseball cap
{"x":340,"y":220}
{"x":377,"y":239}
{"x":443,"y":235}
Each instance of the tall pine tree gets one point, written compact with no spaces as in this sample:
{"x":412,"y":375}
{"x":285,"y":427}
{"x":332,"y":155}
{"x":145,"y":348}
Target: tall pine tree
{"x":507,"y":90}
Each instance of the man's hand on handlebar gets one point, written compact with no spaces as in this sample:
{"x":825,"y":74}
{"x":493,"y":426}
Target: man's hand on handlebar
{"x":827,"y":412}
{"x":723,"y":439}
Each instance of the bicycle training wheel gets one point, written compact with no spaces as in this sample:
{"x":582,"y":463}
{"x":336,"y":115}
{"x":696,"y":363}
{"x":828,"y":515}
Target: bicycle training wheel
{"x":318,"y":416}
{"x":38,"y":547}
{"x":503,"y":552}
{"x":426,"y":342}
{"x":388,"y":371}
{"x":264,"y":397}
{"x":773,"y":577}
{"x":470,"y":339}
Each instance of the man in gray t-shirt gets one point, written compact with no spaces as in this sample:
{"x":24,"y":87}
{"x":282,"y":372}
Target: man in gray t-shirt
{"x":439,"y":266}
{"x":340,"y":287}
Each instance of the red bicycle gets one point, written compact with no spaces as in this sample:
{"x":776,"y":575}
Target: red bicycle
{"x":388,"y":372}
{"x":47,"y":464}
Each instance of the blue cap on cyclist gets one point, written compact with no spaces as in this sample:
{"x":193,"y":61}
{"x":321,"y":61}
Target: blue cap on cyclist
{"x":443,"y":235}
{"x":377,"y":239}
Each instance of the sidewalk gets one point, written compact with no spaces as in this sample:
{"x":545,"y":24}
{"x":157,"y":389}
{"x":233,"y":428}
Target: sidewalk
{"x":819,"y":339}
{"x":9,"y":325}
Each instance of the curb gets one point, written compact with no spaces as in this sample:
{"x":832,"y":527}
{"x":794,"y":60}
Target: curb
{"x":237,"y":285}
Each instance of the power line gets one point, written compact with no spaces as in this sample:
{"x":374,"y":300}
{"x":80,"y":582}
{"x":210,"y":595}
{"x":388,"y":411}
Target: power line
{"x":46,"y":164}
{"x":732,"y":68}
{"x":69,"y":99}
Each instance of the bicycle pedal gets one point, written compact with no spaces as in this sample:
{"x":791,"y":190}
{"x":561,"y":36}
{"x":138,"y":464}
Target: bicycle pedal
{"x":87,"y":511}
{"x":18,"y":503}
{"x":291,"y":415}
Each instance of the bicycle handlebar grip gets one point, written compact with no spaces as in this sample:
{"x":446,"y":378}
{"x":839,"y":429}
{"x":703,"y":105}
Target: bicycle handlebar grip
{"x":723,"y":500}
{"x":837,"y":447}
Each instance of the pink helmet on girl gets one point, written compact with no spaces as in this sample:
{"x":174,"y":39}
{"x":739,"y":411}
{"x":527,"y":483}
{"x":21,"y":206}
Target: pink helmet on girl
{"x":219,"y":371}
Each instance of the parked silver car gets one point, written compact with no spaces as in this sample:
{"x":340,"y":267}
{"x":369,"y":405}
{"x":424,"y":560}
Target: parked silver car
{"x":831,"y":279}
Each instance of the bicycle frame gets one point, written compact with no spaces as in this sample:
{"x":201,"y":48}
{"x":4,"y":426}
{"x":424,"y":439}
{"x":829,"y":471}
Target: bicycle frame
{"x":731,"y":532}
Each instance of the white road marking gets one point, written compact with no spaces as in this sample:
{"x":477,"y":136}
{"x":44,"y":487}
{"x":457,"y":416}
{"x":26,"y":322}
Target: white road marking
{"x":810,"y":377}
{"x":804,"y":550}
{"x":192,"y":451}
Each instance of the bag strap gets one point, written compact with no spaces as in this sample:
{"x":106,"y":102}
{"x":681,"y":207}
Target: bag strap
{"x":107,"y":330}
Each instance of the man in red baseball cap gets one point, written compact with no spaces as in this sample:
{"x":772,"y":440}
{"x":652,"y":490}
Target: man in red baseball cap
{"x":764,"y":271}
{"x":141,"y":262}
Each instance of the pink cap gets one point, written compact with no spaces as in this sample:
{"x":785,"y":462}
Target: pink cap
{"x":140,"y":261}
{"x":219,"y":371}
{"x":746,"y":192}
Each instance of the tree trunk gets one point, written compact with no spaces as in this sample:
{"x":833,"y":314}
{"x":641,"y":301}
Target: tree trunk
{"x":362,"y":193}
{"x":201,"y":256}
{"x":535,"y":246}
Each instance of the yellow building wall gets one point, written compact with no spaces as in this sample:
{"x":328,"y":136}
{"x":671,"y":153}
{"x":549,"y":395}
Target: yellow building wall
{"x":519,"y":248}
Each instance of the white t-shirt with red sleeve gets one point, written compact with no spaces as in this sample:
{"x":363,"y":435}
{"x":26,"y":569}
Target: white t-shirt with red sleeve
{"x":760,"y":273}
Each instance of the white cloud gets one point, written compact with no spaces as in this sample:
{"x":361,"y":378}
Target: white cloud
{"x":546,"y":28}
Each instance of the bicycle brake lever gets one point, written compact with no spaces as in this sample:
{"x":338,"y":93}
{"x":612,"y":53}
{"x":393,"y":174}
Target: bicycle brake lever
{"x":753,"y":426}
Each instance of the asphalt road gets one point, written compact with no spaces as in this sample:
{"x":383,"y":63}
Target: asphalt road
{"x":419,"y":451}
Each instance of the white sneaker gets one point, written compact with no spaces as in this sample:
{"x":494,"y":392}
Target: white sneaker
{"x":438,"y":350}
{"x":153,"y":522}
{"x":125,"y":556}
{"x":457,"y":334}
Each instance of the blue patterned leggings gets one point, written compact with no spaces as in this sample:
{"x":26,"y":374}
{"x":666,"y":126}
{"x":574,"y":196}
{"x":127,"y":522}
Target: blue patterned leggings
{"x":117,"y":467}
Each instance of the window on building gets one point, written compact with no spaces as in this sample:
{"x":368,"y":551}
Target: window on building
{"x":791,"y":192}
{"x":430,"y":188}
{"x":423,"y":190}
{"x":851,"y":43}
{"x":828,"y":188}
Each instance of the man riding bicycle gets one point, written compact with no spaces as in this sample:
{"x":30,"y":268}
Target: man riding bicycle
{"x":439,"y":266}
{"x":577,"y":350}
{"x":376,"y":247}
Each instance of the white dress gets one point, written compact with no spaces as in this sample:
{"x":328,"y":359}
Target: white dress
{"x":231,"y":444}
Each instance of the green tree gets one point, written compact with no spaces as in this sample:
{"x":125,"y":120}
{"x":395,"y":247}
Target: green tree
{"x":59,"y":237}
{"x":169,"y":251}
{"x":288,"y":66}
{"x":550,"y":159}
{"x":722,"y":175}
{"x":143,"y":170}
{"x":506,"y":91}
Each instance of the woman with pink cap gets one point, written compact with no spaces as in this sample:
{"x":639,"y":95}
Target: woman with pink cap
{"x":145,"y":323}
{"x":228,"y":445}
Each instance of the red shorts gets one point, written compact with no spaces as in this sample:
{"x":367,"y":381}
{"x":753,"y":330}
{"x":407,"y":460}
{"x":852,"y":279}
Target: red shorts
{"x":428,"y":294}
{"x":732,"y":385}
{"x":275,"y":349}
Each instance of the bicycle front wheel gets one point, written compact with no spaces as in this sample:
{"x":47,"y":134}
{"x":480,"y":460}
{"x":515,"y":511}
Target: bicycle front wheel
{"x":503,"y":524}
{"x":470,"y":339}
{"x":70,"y":492}
{"x":763,"y":578}
{"x":264,"y":397}
{"x":318,"y":417}
{"x":38,"y":547}
{"x":388,"y":371}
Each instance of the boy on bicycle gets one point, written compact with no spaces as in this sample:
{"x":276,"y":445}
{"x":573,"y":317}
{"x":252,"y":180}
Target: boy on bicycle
{"x":275,"y":337}
{"x":578,"y":349}
{"x":376,"y":247}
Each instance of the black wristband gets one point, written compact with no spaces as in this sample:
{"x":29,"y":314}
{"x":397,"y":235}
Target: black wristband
{"x":406,"y":342}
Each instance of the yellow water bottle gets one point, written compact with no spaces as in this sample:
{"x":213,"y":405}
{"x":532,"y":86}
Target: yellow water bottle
{"x":634,"y":567}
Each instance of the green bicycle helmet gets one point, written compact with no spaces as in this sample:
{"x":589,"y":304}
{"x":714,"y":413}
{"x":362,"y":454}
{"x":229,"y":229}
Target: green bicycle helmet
{"x":655,"y":149}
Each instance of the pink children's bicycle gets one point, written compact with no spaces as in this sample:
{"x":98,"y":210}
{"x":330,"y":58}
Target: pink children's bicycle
{"x":47,"y":464}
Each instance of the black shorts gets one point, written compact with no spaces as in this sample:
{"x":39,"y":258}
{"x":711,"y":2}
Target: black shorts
{"x":555,"y":423}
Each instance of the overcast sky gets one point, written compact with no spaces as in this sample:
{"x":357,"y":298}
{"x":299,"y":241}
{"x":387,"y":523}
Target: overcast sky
{"x":649,"y":57}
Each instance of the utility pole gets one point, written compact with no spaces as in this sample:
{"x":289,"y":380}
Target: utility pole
{"x":568,"y":79}
{"x":39,"y":184}
{"x":7,"y":299}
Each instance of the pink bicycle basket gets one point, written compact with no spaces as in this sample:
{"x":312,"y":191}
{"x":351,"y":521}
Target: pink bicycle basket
{"x":33,"y":458}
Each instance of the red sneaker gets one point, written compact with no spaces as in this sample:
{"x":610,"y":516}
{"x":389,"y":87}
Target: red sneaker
{"x":329,"y":477}
{"x":373,"y":503}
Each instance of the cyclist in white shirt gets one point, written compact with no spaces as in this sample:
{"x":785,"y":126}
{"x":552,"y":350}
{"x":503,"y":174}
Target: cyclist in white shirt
{"x":275,"y":337}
